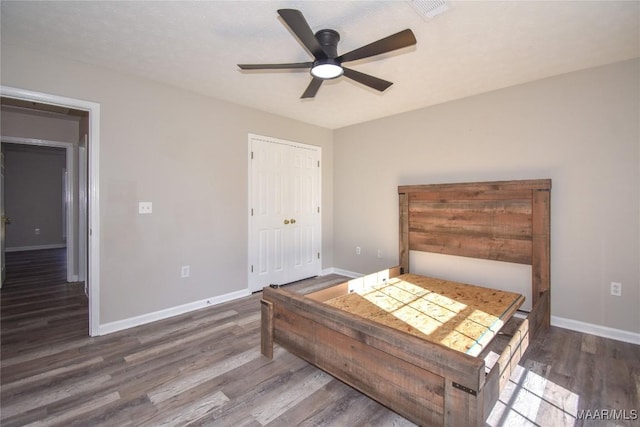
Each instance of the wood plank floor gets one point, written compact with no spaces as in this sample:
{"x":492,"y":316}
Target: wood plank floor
{"x":205,"y":368}
{"x":36,"y":268}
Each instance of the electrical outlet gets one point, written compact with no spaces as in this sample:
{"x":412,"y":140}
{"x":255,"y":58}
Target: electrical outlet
{"x":379,"y":253}
{"x":616,"y":289}
{"x":37,"y":231}
{"x":145,"y":207}
{"x":358,"y":250}
{"x":185,"y":271}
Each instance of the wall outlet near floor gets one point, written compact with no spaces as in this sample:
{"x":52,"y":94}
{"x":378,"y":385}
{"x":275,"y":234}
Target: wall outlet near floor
{"x":185,"y":271}
{"x":36,"y":231}
{"x":358,"y":250}
{"x":616,"y":289}
{"x":145,"y":207}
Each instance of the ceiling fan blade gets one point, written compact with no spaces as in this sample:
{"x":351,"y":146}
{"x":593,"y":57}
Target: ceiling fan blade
{"x":366,"y":79}
{"x":296,"y":22}
{"x":312,"y":89}
{"x":395,"y":41}
{"x":275,"y":66}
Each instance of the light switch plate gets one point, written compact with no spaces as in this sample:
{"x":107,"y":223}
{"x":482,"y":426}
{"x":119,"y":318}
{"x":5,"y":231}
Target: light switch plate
{"x":616,"y":289}
{"x":185,"y":271}
{"x":144,"y":207}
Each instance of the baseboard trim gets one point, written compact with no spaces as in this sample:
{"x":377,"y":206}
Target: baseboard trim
{"x":35,"y":248}
{"x":341,"y":272}
{"x":143,"y":319}
{"x":601,"y":331}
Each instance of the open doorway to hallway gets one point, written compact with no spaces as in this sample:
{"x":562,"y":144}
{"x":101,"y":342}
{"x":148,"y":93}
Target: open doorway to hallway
{"x":91,"y":152}
{"x":44,"y":199}
{"x":46,"y":181}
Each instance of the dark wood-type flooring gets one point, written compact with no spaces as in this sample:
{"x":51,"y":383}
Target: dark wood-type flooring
{"x":205,"y":368}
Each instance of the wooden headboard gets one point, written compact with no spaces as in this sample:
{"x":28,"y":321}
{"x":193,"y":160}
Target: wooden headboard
{"x":502,"y":220}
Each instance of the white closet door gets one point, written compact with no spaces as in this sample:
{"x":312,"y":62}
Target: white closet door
{"x":304,"y":205}
{"x":284,"y":222}
{"x":269,"y":165}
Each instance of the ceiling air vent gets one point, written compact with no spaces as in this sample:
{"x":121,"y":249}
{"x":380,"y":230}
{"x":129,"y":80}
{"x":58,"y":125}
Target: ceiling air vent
{"x":429,"y":8}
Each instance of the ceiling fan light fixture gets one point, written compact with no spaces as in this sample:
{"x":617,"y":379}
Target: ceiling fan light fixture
{"x":326,"y":69}
{"x":323,"y":46}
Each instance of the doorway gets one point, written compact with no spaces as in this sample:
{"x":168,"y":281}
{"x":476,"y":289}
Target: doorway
{"x":40,"y":195}
{"x":284,"y":212}
{"x":92,"y":110}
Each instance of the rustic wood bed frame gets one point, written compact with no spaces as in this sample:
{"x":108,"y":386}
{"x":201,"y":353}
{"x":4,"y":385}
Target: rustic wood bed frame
{"x":423,"y":381}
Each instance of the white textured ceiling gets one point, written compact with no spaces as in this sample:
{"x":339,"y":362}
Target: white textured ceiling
{"x":472,"y":48}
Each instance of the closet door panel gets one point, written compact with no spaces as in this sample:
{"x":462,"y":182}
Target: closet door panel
{"x":284,"y":226}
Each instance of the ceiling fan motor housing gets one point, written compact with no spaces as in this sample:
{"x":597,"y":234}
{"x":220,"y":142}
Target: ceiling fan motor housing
{"x":329,"y":39}
{"x":327,"y":68}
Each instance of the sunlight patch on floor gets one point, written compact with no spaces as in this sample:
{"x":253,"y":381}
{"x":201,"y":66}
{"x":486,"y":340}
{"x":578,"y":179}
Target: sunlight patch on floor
{"x":531,"y":399}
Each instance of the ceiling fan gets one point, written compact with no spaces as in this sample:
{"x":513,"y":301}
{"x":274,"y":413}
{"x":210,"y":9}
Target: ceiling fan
{"x":327,"y":64}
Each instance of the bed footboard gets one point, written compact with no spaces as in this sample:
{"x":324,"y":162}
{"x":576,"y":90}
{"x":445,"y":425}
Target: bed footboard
{"x":425,"y":382}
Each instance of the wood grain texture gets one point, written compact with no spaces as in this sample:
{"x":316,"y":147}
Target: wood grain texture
{"x":490,"y":220}
{"x":266,"y":332}
{"x":459,"y":316}
{"x":290,"y":307}
{"x":403,"y":236}
{"x":485,"y":247}
{"x":407,"y":388}
{"x":36,"y":268}
{"x":541,"y":245}
{"x":42,"y":353}
{"x":488,"y":187}
{"x":493,"y":224}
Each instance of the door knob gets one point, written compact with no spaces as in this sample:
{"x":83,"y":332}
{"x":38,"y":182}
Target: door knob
{"x":293,"y":221}
{"x":286,"y":221}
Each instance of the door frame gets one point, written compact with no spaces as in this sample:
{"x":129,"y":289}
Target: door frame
{"x":251,"y":239}
{"x":82,"y":216}
{"x":3,"y":223}
{"x":93,"y":146}
{"x":67,"y":192}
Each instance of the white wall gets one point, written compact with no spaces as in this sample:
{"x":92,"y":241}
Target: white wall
{"x":580,"y":129}
{"x":187,"y":154}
